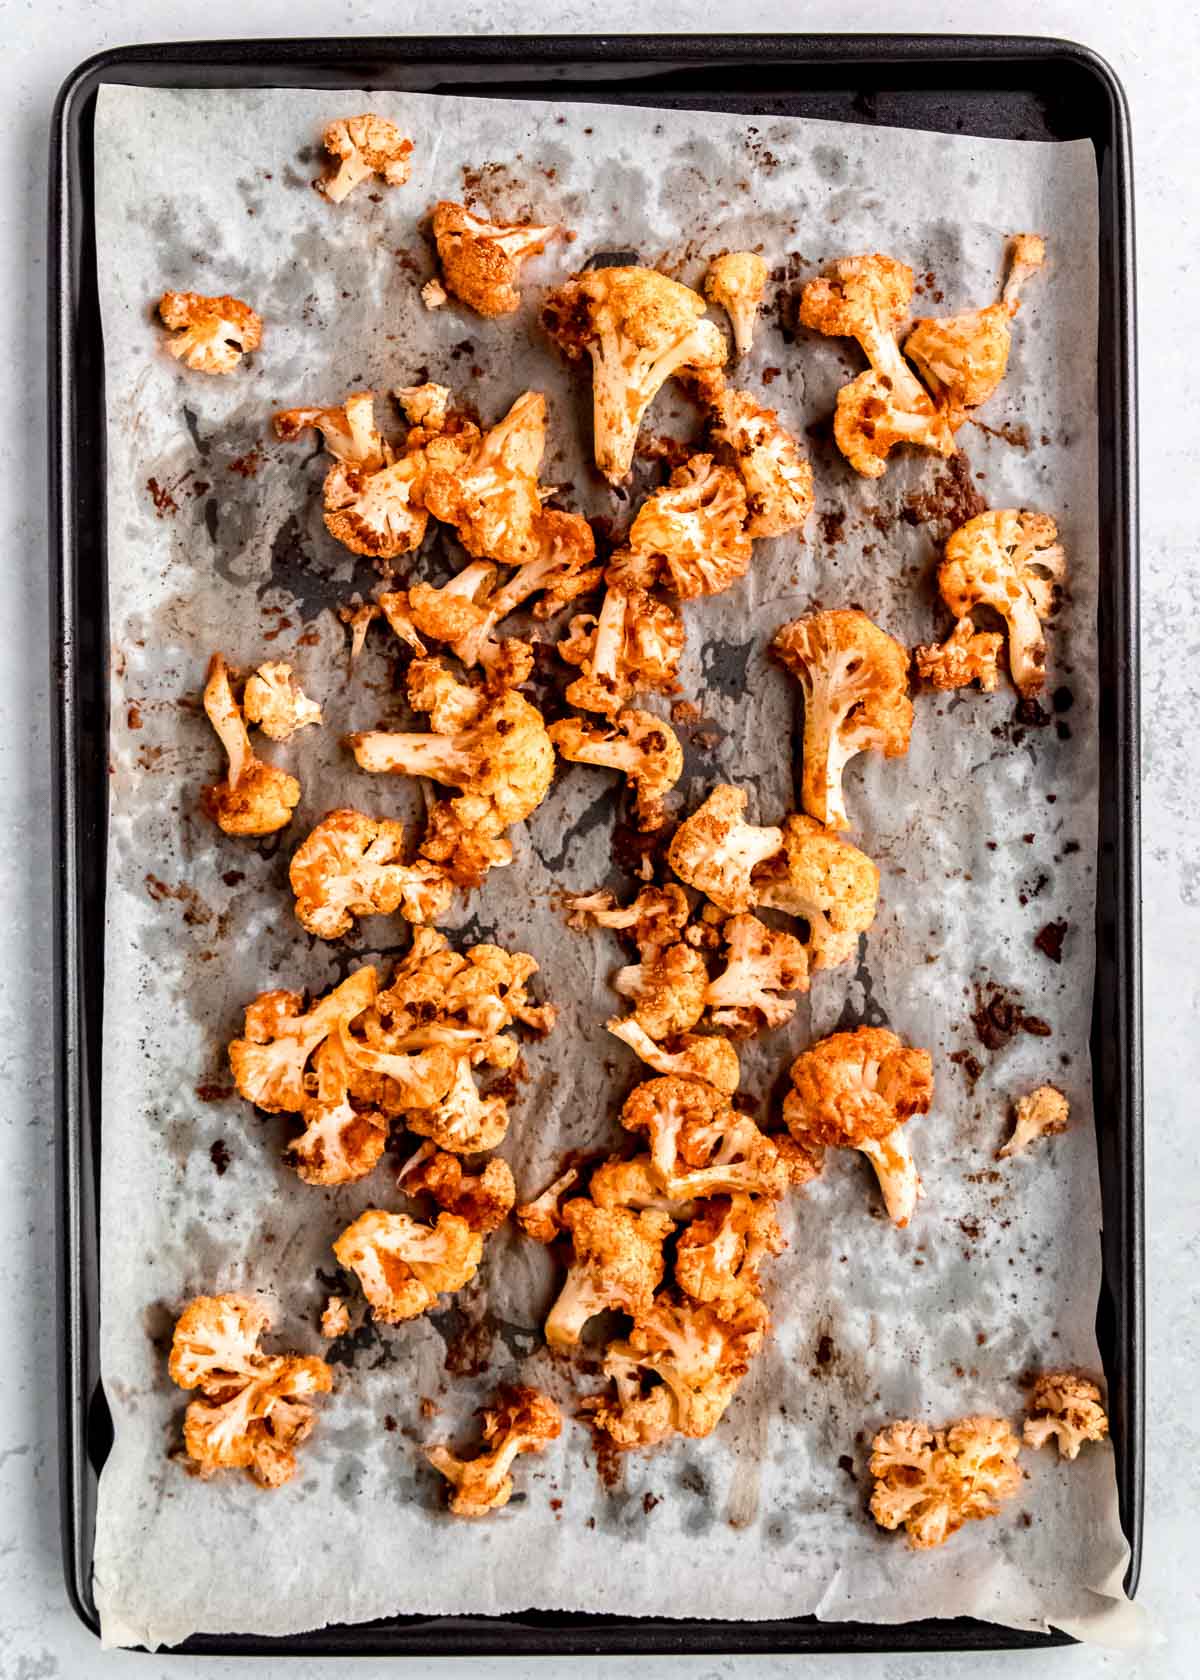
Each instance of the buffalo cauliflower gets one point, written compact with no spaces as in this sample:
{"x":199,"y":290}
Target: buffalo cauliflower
{"x":209,"y":334}
{"x":522,"y":1420}
{"x":760,"y":964}
{"x":255,"y":798}
{"x":345,"y":1132}
{"x":486,"y":484}
{"x":463,"y":1121}
{"x":966,"y":656}
{"x":692,"y":1055}
{"x":718,"y":1255}
{"x":644,"y":748}
{"x":481,"y":261}
{"x":934,"y":1480}
{"x":634,"y":1184}
{"x":403,"y":1266}
{"x":541,"y":1218}
{"x":692,"y":535}
{"x":269,"y":1062}
{"x":483,"y":1199}
{"x":274,"y":700}
{"x":656,"y":918}
{"x":668,"y":990}
{"x":680,"y":1117}
{"x":775,"y":473}
{"x":352,"y":865}
{"x":618,"y":1262}
{"x":737,"y":281}
{"x":1011,"y":560}
{"x":1040,"y":1114}
{"x":716,"y":850}
{"x":825,"y":881}
{"x":363,"y":146}
{"x":632,"y":646}
{"x":1064,"y":1407}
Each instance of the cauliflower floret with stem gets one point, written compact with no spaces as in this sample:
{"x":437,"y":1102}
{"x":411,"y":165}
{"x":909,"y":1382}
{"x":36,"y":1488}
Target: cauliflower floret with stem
{"x":426,"y":406}
{"x":632,"y":646}
{"x":737,"y":281}
{"x":825,"y":881}
{"x":855,"y":681}
{"x":274,"y":700}
{"x":692,"y":535}
{"x":403,"y":1266}
{"x":255,"y":798}
{"x":483,"y":1199}
{"x":352,"y":865}
{"x":209,"y":334}
{"x":932,"y":1481}
{"x":1064,"y":1406}
{"x":634,"y":1184}
{"x":1040,"y":1114}
{"x":280,"y":1036}
{"x":561,"y":569}
{"x":377,"y":513}
{"x":656,"y":918}
{"x":363,"y":146}
{"x":775,"y":472}
{"x":486,"y":485}
{"x":716,"y":850}
{"x":618,"y":1262}
{"x":668,"y":989}
{"x":728,"y":1156}
{"x":632,"y":1419}
{"x":1011,"y":560}
{"x":522,"y":1420}
{"x":348,"y":432}
{"x":641,"y":746}
{"x":452,"y":704}
{"x":481,"y":260}
{"x":640,"y":329}
{"x":963,"y":358}
{"x":966,"y":656}
{"x":718,"y":1256}
{"x":460,"y":849}
{"x":541,"y":1218}
{"x":463,"y":1122}
{"x":691,"y":1056}
{"x":856,"y":1090}
{"x":761,"y":962}
{"x":444,"y":614}
{"x":671,"y":1110}
{"x":344,"y":1131}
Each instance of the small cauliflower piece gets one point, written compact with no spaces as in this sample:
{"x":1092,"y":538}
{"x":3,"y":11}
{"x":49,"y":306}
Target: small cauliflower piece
{"x":618,"y":1262}
{"x":932,"y":1481}
{"x":403,"y":1266}
{"x":255,"y":798}
{"x":771,"y":463}
{"x":693,"y":1056}
{"x":966,"y":656}
{"x":541,"y":1218}
{"x":825,"y":881}
{"x":692,"y":535}
{"x":427,"y":405}
{"x":737,"y":281}
{"x":632,"y":1419}
{"x":718,"y":1255}
{"x":1040,"y":1114}
{"x":855,"y":681}
{"x":363,"y":146}
{"x":209,"y":334}
{"x":280,"y":1036}
{"x":345,"y":1132}
{"x":335,"y":1319}
{"x":716,"y":850}
{"x":445,"y":614}
{"x":760,"y":964}
{"x":681,"y":1119}
{"x":634,"y":1184}
{"x":274,"y":700}
{"x":351,"y":865}
{"x":486,"y":484}
{"x":641,"y":746}
{"x":856,"y":1090}
{"x":348,"y":432}
{"x":728,"y":1156}
{"x":481,"y":260}
{"x":463,"y":1122}
{"x":633,"y":646}
{"x":656,"y":918}
{"x":561,"y":570}
{"x":640,"y":329}
{"x":668,"y":989}
{"x":483,"y":1199}
{"x":461,"y":850}
{"x":522,"y":1420}
{"x":1065,"y":1407}
{"x":1011,"y":560}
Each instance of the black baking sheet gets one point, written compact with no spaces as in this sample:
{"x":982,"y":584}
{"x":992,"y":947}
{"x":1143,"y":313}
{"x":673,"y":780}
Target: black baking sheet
{"x":987,"y":85}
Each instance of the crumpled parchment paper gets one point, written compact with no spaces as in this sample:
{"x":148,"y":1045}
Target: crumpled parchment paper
{"x":985,"y":833}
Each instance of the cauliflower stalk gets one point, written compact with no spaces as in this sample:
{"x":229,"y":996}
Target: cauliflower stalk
{"x":209,"y":334}
{"x":641,"y":746}
{"x":481,"y":260}
{"x":1008,"y":559}
{"x":932,"y":1481}
{"x":737,"y":281}
{"x":255,"y":798}
{"x":363,"y":146}
{"x":403,"y":1265}
{"x":521,"y":1420}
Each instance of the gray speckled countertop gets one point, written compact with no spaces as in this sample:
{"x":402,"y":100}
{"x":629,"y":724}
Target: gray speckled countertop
{"x":1156,"y":52}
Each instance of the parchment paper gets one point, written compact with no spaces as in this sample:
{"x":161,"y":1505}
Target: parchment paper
{"x":985,"y":833}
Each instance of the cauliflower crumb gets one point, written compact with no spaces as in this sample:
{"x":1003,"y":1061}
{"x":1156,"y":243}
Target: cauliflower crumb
{"x":434,"y":295}
{"x":520,"y":1420}
{"x":335,"y":1320}
{"x":363,"y":146}
{"x":644,"y":748}
{"x":482,"y":260}
{"x":1011,"y":560}
{"x":716,"y":850}
{"x":403,"y":1266}
{"x":255,"y":798}
{"x":351,"y":865}
{"x":274,"y":700}
{"x":209,"y":334}
{"x":737,"y":281}
{"x":1064,"y":1406}
{"x":1040,"y":1114}
{"x":934,"y":1480}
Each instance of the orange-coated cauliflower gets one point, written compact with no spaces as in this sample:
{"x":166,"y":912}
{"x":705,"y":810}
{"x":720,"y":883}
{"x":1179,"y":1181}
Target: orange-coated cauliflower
{"x":641,"y":746}
{"x":692,"y":535}
{"x":465,"y":999}
{"x":775,"y":472}
{"x":486,"y":485}
{"x":718,"y":1256}
{"x":255,"y":798}
{"x":364,"y":146}
{"x":855,"y":1090}
{"x":269,"y":1062}
{"x":635,"y":1184}
{"x":1011,"y":560}
{"x":1040,"y":1114}
{"x":335,"y":1318}
{"x":522,"y":1420}
{"x":1064,"y":1406}
{"x":483,"y":1199}
{"x":460,"y":849}
{"x":934,"y":1480}
{"x":541,"y":1218}
{"x":634,"y":645}
{"x":482,"y":261}
{"x":760,"y":964}
{"x":618,"y":1262}
{"x":682,"y":1118}
{"x":345,"y":1132}
{"x":966,"y":656}
{"x":253,"y":1408}
{"x":351,"y":865}
{"x":403,"y":1266}
{"x":668,"y":990}
{"x":855,"y":681}
{"x":656,"y":918}
{"x":737,"y":280}
{"x":463,"y":1121}
{"x":716,"y":850}
{"x":640,"y":329}
{"x":691,"y":1055}
{"x":274,"y":700}
{"x":825,"y":881}
{"x":209,"y":334}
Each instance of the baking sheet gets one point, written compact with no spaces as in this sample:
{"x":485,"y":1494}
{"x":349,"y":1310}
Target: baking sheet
{"x":985,"y":833}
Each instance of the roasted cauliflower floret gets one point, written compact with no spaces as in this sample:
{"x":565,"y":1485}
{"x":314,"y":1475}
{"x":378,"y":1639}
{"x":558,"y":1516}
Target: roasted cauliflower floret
{"x":668,"y":990}
{"x":1011,"y":560}
{"x":280,"y":1036}
{"x":966,"y":656}
{"x":335,"y":1318}
{"x":760,"y":964}
{"x":618,"y":1262}
{"x":427,"y":405}
{"x":632,"y":1418}
{"x":463,"y":1122}
{"x":209,"y":334}
{"x":640,"y":329}
{"x":363,"y":146}
{"x":727,"y":1157}
{"x":255,"y":798}
{"x":634,"y":1184}
{"x":345,"y":1132}
{"x":541,"y":1218}
{"x":681,"y":1119}
{"x":1064,"y":1406}
{"x":856,"y":1090}
{"x":737,"y":281}
{"x":827,"y":882}
{"x":484,"y":1199}
{"x":445,"y":614}
{"x":934,"y":1480}
{"x":719,"y":1253}
{"x":486,"y":485}
{"x":274,"y":700}
{"x":348,"y":432}
{"x":523,"y":1420}
{"x":774,"y":470}
{"x":693,"y":533}
{"x":482,"y":261}
{"x":633,"y":646}
{"x":352,"y":865}
{"x":1040,"y":1114}
{"x":403,"y":1266}
{"x":716,"y":850}
{"x":460,"y":849}
{"x":253,"y":1408}
{"x":855,"y":681}
{"x":644,"y":748}
{"x":692,"y":1056}
{"x":656,"y":918}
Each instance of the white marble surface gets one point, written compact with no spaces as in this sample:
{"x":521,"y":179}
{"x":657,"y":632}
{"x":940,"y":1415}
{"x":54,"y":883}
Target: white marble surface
{"x":1156,"y":51}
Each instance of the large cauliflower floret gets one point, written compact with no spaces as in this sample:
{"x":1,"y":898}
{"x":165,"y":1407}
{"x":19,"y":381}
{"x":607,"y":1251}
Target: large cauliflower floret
{"x":352,"y":865}
{"x":825,"y":881}
{"x":1064,"y":1406}
{"x":618,"y":1262}
{"x":280,"y":1036}
{"x":345,"y":1132}
{"x":760,"y":964}
{"x":486,"y":485}
{"x":644,"y":748}
{"x":692,"y":535}
{"x":255,"y":798}
{"x":966,"y":656}
{"x":633,"y":646}
{"x":729,"y":1156}
{"x":364,"y":146}
{"x":932,"y":1481}
{"x":522,"y":1420}
{"x":690,"y":1055}
{"x":253,"y":1408}
{"x":482,"y":261}
{"x":656,"y":918}
{"x":1040,"y":1114}
{"x":680,"y":1117}
{"x":209,"y":334}
{"x":774,"y":470}
{"x":484,"y":1199}
{"x":640,"y":329}
{"x":855,"y":681}
{"x":716,"y":850}
{"x":274,"y":700}
{"x":719,"y":1254}
{"x":855,"y":1090}
{"x":737,"y":281}
{"x":1009,"y":559}
{"x":541,"y":1218}
{"x":963,"y":358}
{"x":668,"y":990}
{"x":403,"y":1266}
